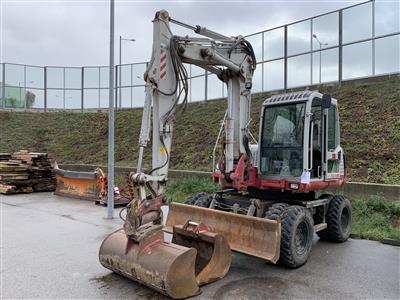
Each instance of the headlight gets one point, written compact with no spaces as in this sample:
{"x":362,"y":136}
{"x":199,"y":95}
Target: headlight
{"x":294,"y":186}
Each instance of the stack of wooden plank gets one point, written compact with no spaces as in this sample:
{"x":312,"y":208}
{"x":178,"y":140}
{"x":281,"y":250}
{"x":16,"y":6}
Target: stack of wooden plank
{"x":5,"y":156}
{"x":26,"y":172}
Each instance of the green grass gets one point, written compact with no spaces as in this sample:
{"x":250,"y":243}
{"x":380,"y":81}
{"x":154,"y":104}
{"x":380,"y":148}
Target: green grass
{"x":179,"y":189}
{"x":374,"y":218}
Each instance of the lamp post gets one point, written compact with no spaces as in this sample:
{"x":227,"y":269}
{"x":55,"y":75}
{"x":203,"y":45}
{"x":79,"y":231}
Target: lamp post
{"x":19,"y":85}
{"x":111,"y":104}
{"x":120,"y":62}
{"x":320,"y":53}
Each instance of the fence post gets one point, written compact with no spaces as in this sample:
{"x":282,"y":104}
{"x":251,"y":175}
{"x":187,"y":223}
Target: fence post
{"x":82,"y":88}
{"x":25,"y":106}
{"x":311,"y":54}
{"x":205,"y":84}
{"x":285,"y":60}
{"x":340,"y":47}
{"x":45,"y":89}
{"x":262,"y":64}
{"x":373,"y":38}
{"x":116,"y":87}
{"x":3,"y":91}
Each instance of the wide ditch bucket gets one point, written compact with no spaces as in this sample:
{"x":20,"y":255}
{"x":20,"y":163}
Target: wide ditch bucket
{"x":245,"y":234}
{"x":177,"y":269}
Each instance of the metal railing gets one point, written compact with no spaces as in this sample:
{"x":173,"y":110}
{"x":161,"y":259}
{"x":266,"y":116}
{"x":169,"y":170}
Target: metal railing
{"x":359,"y":41}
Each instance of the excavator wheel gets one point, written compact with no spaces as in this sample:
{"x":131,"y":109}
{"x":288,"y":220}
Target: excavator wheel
{"x":276,"y":211}
{"x":201,"y":199}
{"x":338,"y":219}
{"x":296,"y":236}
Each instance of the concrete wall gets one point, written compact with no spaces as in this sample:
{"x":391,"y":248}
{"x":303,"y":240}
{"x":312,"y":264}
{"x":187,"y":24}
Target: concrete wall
{"x":350,"y":189}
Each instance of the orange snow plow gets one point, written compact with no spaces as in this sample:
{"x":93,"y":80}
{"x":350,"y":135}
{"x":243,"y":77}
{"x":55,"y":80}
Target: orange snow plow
{"x":81,"y":185}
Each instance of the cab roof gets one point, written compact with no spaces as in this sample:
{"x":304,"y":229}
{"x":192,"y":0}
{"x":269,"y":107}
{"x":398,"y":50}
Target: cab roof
{"x":289,"y":97}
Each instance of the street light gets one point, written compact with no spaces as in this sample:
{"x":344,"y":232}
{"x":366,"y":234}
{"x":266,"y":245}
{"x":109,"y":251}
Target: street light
{"x":320,"y":53}
{"x":120,"y":62}
{"x":19,"y":84}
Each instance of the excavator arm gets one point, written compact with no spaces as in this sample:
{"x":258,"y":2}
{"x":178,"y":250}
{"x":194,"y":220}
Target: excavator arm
{"x":230,"y":58}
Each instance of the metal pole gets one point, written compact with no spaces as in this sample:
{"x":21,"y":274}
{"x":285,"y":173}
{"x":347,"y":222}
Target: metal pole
{"x":116,"y":87}
{"x":45,"y":88}
{"x":119,"y":72}
{"x":3,"y":91}
{"x":285,"y":69}
{"x":373,"y":38}
{"x":82,"y":88}
{"x":205,"y":85}
{"x":320,"y":60}
{"x":19,"y":85}
{"x":340,"y":71}
{"x":24,"y":87}
{"x":311,"y":55}
{"x":63,"y":88}
{"x":262,"y":65}
{"x":110,"y":176}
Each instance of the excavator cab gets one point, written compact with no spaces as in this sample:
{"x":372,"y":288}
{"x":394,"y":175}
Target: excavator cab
{"x":300,"y":139}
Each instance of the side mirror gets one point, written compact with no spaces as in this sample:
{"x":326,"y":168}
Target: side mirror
{"x":326,"y":101}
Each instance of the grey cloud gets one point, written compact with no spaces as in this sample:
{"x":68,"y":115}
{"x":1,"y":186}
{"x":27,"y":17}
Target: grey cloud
{"x":73,"y":33}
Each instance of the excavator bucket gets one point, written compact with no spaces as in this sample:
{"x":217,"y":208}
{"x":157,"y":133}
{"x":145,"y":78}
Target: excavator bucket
{"x":245,"y":234}
{"x":177,"y":269}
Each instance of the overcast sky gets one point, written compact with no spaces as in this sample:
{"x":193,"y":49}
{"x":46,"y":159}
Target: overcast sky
{"x":76,"y":33}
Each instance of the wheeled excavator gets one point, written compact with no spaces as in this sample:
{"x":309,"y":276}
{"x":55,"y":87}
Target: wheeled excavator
{"x":268,"y":205}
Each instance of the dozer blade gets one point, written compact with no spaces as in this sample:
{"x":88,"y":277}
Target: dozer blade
{"x":249,"y":235}
{"x":176,"y":269}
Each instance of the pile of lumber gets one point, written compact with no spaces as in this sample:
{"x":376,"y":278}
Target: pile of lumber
{"x":26,"y":172}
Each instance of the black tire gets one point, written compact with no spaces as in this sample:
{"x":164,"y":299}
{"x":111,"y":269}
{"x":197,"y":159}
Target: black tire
{"x":201,"y":199}
{"x":276,"y":211}
{"x":296,"y":236}
{"x":339,"y":220}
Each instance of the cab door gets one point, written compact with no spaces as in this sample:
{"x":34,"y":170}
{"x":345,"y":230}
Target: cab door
{"x":334,"y":156}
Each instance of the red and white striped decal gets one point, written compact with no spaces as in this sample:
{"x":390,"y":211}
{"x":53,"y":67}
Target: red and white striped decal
{"x":163,"y":63}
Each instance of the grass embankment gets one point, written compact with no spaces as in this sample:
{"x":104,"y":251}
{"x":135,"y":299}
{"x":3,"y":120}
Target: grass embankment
{"x":370,"y":122}
{"x":374,"y":218}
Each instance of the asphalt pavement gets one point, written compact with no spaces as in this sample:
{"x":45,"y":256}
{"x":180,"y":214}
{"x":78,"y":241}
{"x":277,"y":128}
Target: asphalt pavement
{"x":49,"y":249}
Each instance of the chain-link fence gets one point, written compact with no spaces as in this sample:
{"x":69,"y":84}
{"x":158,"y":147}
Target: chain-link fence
{"x":355,"y":42}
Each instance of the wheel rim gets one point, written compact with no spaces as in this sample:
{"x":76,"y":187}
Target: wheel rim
{"x":345,"y":220}
{"x":302,"y":239}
